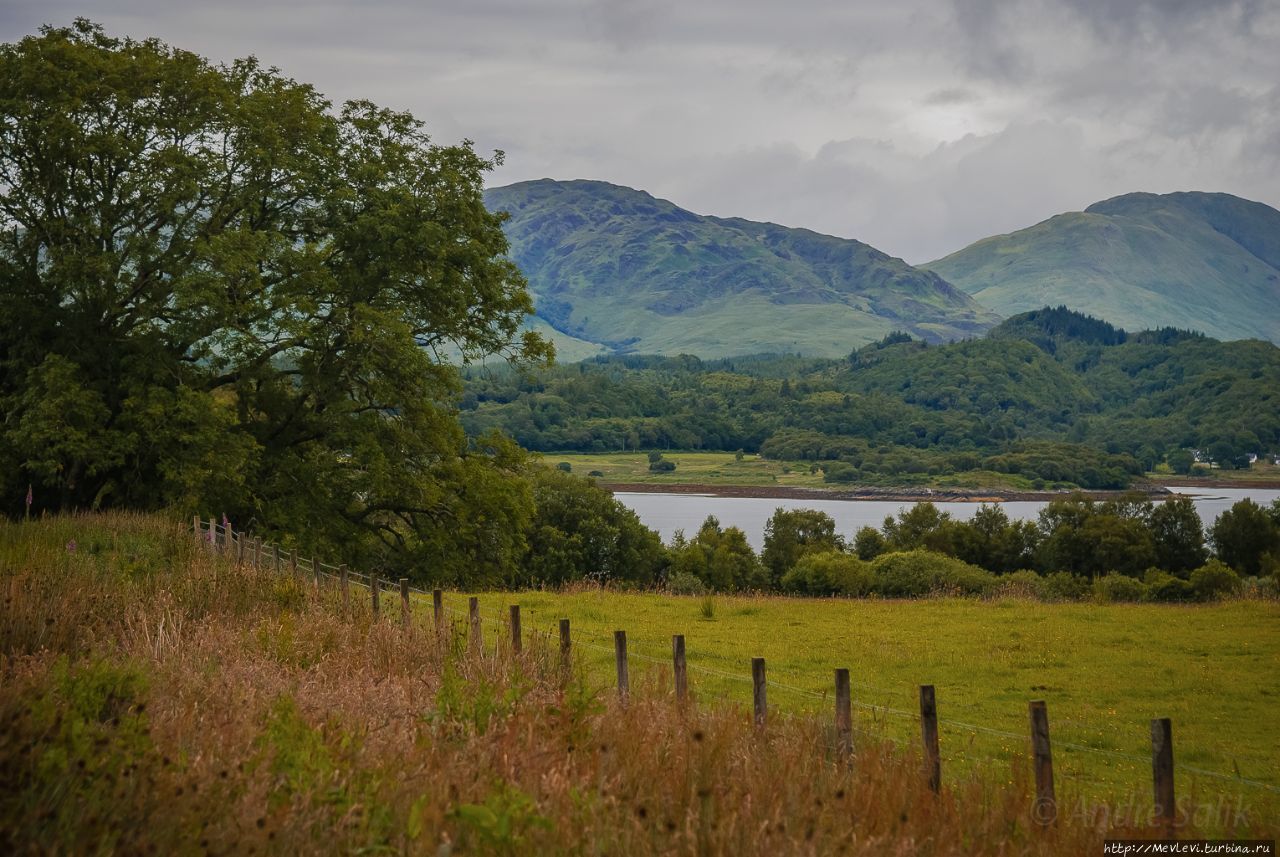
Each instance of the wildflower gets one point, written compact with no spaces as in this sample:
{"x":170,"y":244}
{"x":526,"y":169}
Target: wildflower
{"x":30,"y":500}
{"x":71,"y":546}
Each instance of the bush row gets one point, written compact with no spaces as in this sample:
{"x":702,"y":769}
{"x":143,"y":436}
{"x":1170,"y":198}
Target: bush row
{"x":921,"y":573}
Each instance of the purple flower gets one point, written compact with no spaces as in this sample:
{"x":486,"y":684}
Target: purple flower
{"x":71,"y":546}
{"x":30,"y":497}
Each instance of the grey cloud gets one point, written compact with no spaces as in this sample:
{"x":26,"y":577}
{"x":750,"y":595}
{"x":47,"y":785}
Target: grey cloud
{"x":1165,"y":19}
{"x":951,"y":95}
{"x":916,"y":126}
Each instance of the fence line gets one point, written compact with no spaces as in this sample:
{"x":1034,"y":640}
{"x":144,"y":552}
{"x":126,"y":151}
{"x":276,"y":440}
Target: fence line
{"x":222,"y":538}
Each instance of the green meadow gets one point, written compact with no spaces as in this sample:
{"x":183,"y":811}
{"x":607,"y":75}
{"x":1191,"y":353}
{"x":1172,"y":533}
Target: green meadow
{"x":725,"y":469}
{"x":703,"y":468}
{"x":1104,"y":670}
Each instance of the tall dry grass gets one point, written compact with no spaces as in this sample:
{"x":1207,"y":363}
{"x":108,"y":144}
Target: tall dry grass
{"x":155,"y":698}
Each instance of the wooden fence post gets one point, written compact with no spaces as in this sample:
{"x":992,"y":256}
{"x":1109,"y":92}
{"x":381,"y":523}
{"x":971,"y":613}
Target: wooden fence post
{"x":375,"y":592}
{"x":759,"y":699}
{"x":293,"y":561}
{"x":344,"y":585}
{"x":315,"y":573}
{"x":620,"y":655}
{"x":404,"y":602}
{"x":257,"y":553}
{"x":1162,"y":774}
{"x":679,"y":668}
{"x":566,"y":656}
{"x":1045,"y":810}
{"x":275,"y":558}
{"x":437,"y":608}
{"x":213,"y":534}
{"x":196,"y":529}
{"x":929,"y":733}
{"x":473,"y":612}
{"x":844,"y":716}
{"x":516,"y":644}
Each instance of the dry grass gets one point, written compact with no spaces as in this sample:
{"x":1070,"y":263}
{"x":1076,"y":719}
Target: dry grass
{"x":156,"y":699}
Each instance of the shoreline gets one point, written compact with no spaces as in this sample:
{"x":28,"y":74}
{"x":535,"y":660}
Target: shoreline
{"x":1155,"y":490}
{"x":901,"y":494}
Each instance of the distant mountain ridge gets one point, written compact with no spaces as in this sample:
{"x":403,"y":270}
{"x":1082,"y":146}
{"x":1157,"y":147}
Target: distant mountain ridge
{"x":616,"y":269}
{"x":1208,"y":262}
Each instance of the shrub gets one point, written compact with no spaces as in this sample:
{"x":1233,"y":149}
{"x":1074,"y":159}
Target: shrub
{"x":662,"y":466}
{"x":829,"y":573}
{"x":1260,"y":587}
{"x":1214,"y":580}
{"x":841,"y":473}
{"x":911,"y":574}
{"x":565,"y":467}
{"x":684,"y":583}
{"x":1162,"y":586}
{"x":596,"y":473}
{"x":1020,"y":584}
{"x":1064,"y":586}
{"x":1112,"y":588}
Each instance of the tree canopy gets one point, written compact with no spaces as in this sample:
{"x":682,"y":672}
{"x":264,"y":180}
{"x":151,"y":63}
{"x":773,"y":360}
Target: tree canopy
{"x":220,"y":293}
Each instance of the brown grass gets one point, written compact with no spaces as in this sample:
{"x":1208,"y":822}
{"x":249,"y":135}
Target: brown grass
{"x":157,"y":699}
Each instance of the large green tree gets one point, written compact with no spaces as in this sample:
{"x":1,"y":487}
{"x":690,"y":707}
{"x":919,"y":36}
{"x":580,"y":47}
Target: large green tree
{"x":218,"y":292}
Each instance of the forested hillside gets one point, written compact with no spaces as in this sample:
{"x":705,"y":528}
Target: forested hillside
{"x":1052,"y":395}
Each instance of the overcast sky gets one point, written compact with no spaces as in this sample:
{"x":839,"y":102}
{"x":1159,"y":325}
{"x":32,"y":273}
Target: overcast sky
{"x":916,"y":126}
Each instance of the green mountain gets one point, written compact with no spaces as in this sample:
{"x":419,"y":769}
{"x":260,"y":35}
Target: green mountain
{"x":616,"y":269}
{"x":1199,"y":261}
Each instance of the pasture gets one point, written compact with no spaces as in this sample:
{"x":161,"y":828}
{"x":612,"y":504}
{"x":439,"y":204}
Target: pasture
{"x":1105,"y":670}
{"x":158,"y":695}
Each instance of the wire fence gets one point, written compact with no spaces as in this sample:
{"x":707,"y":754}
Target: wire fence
{"x":222,"y":538}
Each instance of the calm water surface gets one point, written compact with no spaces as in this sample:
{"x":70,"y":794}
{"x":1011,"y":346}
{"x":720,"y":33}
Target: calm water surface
{"x":667,"y":513}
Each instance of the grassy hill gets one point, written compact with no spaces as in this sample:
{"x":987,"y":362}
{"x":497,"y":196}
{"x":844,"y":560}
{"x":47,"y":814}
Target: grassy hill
{"x":1199,"y":261}
{"x":615,"y":266}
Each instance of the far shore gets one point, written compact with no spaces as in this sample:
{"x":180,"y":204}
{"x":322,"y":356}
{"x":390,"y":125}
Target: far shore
{"x":1155,"y":490}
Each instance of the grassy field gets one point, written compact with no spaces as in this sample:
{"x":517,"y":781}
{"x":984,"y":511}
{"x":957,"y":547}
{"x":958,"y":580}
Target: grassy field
{"x":1260,"y":474}
{"x":1104,"y":670}
{"x":158,"y":698}
{"x":723,"y":469}
{"x":704,"y":468}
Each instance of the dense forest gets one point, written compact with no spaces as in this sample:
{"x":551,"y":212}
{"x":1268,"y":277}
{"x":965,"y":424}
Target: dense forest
{"x":1055,"y":397}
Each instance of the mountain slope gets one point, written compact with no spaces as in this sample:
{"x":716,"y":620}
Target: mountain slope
{"x":1200,"y":261}
{"x":616,"y":266}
